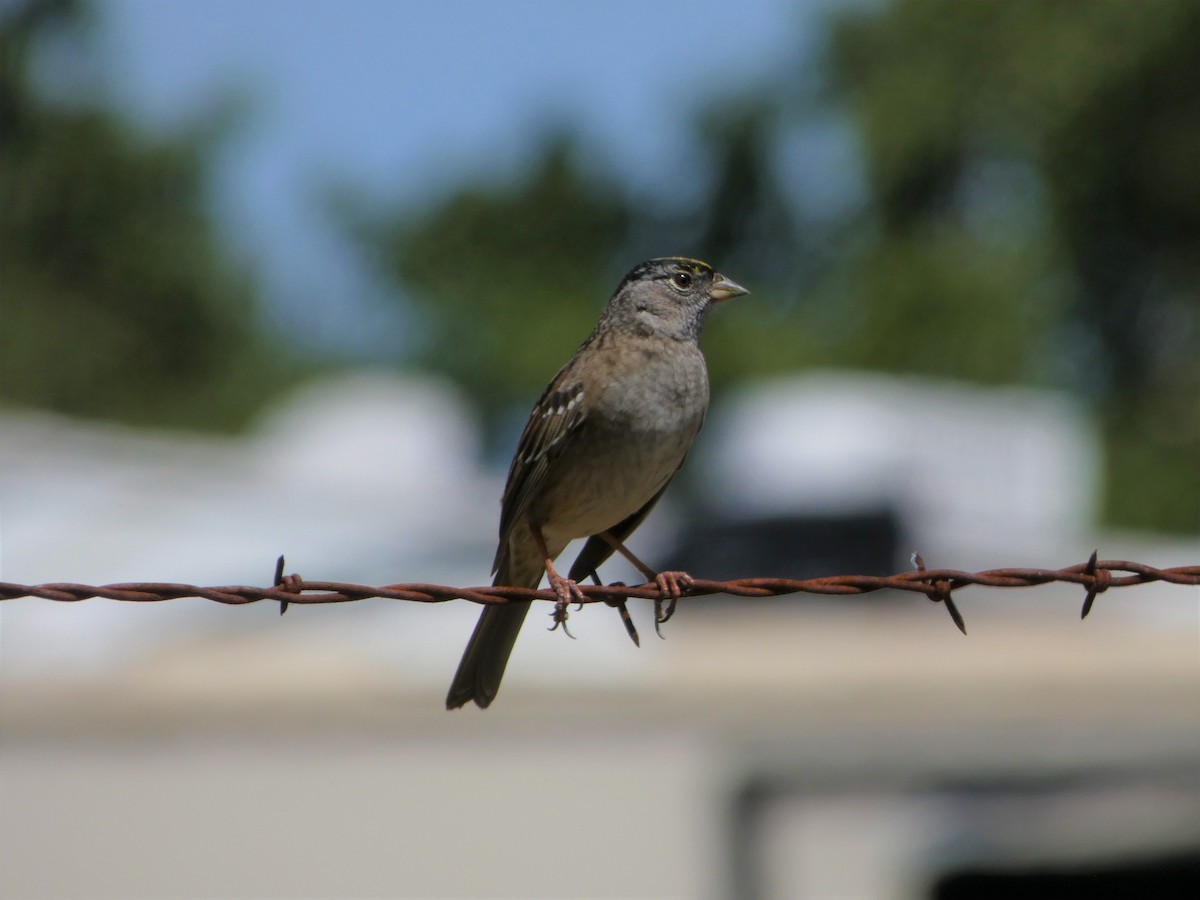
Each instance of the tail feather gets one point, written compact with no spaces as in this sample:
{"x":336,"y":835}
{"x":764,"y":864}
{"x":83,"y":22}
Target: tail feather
{"x":483,"y":662}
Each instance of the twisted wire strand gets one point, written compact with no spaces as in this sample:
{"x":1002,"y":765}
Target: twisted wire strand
{"x":1095,"y":576}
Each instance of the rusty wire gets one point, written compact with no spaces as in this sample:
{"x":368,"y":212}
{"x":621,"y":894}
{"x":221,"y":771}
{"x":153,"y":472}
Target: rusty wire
{"x":1095,"y":576}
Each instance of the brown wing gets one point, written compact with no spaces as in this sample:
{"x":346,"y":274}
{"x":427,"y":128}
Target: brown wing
{"x":554,"y":420}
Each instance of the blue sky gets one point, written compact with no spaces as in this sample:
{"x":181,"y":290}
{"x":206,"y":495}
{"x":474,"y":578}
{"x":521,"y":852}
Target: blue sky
{"x":401,"y":99}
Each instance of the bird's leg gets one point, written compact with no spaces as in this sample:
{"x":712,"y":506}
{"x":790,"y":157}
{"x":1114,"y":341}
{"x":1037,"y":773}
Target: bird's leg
{"x":620,"y":605}
{"x":566,"y":589}
{"x":671,"y":585}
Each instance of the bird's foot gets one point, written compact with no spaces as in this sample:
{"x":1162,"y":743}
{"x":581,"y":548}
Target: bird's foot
{"x":568,"y":592}
{"x":671,"y":586}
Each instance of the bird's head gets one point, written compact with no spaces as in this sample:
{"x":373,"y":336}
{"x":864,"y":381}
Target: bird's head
{"x":670,"y":296}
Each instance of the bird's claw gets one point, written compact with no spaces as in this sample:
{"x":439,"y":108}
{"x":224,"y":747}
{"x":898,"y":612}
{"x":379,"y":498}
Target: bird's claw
{"x":559,"y":616}
{"x":568,"y":592}
{"x":660,"y":616}
{"x":671,"y":586}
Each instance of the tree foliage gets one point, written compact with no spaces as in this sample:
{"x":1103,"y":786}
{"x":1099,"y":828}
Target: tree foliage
{"x":1036,"y":198}
{"x":1028,"y":211}
{"x":1031,"y":214}
{"x":119,"y":301}
{"x":505,"y":276}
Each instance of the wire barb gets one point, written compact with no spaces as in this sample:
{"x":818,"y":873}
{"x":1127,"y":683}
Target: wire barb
{"x":283,"y":604}
{"x":620,"y":605}
{"x":941,"y":593}
{"x":1099,"y":584}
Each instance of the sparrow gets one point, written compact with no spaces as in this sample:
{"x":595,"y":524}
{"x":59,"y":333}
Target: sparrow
{"x":601,"y":445}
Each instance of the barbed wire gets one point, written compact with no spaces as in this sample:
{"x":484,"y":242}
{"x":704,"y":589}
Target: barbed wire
{"x":1095,"y":576}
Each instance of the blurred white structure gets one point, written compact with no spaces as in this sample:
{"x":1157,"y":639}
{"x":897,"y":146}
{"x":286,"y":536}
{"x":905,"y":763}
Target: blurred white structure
{"x":186,"y":749}
{"x":361,"y":478}
{"x":335,"y":474}
{"x":970,"y":470}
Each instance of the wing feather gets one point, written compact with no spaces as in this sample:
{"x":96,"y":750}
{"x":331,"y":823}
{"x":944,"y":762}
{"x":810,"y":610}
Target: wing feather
{"x":555,"y":419}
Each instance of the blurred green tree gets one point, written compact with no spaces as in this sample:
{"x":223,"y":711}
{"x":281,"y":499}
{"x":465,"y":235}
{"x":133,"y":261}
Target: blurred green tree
{"x":509,"y":275}
{"x":1030,"y":213}
{"x":505,"y":276}
{"x":1035,"y":206}
{"x":119,"y":300}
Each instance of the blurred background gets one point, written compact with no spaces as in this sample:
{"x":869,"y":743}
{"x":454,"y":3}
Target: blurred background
{"x":287,"y":276}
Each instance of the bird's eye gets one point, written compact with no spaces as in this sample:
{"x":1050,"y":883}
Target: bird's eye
{"x":681,"y":280}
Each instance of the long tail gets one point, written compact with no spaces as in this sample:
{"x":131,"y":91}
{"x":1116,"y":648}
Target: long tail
{"x":483,"y":662}
{"x":482,"y":666}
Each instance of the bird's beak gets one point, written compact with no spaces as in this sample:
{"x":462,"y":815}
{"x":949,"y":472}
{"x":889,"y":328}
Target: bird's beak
{"x":726,"y":288}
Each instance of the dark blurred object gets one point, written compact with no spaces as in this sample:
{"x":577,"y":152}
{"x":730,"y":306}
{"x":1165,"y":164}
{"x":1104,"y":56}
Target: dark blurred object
{"x":787,"y":547}
{"x":1023,"y":825}
{"x":1174,"y":877}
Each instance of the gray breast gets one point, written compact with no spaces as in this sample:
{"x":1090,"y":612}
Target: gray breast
{"x":638,"y":430}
